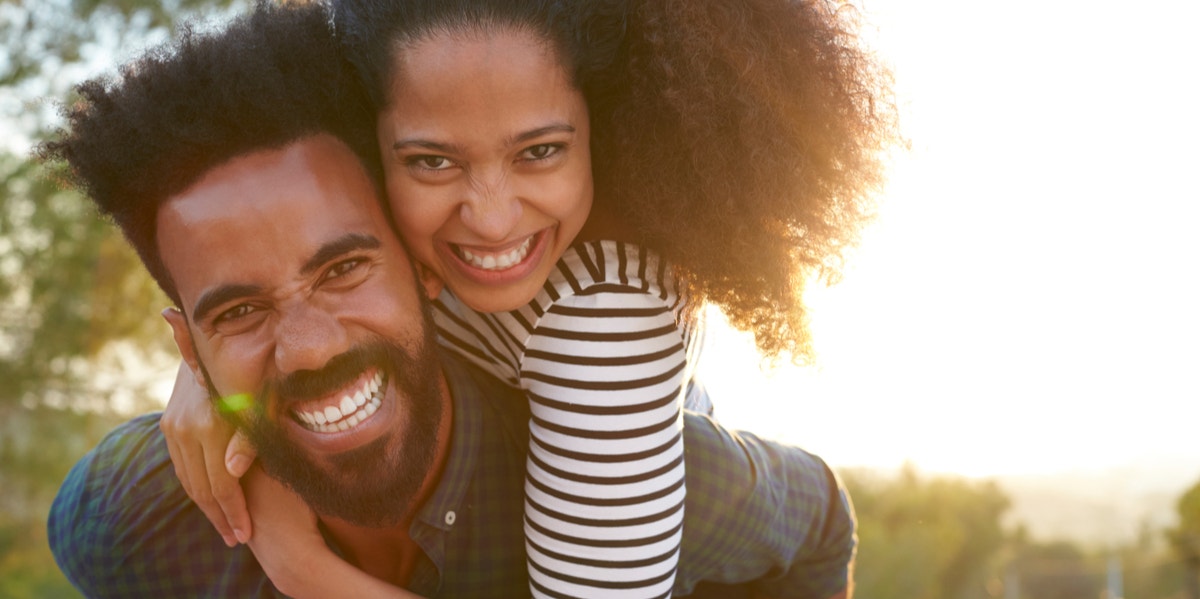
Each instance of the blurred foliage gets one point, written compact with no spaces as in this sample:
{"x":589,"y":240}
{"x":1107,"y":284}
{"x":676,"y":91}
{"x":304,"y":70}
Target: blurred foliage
{"x":925,"y":539}
{"x":942,"y":537}
{"x":79,"y":318}
{"x":1185,"y":539}
{"x":1056,"y":570}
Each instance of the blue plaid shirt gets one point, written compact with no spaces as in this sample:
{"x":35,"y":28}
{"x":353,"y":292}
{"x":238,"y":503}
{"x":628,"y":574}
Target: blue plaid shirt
{"x":759,"y":516}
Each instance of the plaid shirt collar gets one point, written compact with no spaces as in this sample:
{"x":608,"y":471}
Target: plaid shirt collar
{"x":437,"y":517}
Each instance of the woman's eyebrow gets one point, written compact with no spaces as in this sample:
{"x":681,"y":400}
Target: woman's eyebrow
{"x":416,"y":142}
{"x":540,"y":131}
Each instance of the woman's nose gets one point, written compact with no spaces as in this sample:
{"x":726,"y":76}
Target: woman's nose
{"x":492,"y":209}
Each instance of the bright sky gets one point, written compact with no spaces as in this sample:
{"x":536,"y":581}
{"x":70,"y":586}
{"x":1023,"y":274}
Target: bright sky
{"x":1028,"y":299}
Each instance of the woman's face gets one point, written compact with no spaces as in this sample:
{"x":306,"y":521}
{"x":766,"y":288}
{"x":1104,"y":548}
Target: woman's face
{"x":485,"y":148}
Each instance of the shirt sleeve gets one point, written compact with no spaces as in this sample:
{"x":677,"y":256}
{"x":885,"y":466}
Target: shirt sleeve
{"x":763,"y":513}
{"x":604,"y":372}
{"x":122,"y":526}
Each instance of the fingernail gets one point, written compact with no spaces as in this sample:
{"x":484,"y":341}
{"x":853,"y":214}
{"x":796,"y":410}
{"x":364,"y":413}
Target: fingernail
{"x":229,"y":541}
{"x":241,"y":535}
{"x":238,"y":465}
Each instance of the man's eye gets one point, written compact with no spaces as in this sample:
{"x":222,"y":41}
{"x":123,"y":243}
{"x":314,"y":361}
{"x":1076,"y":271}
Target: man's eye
{"x":344,"y":268}
{"x":234,"y":314}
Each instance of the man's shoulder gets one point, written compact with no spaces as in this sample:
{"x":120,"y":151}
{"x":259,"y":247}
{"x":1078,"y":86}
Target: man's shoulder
{"x":130,"y":466}
{"x":122,"y":526}
{"x":762,"y":511}
{"x":723,"y":455}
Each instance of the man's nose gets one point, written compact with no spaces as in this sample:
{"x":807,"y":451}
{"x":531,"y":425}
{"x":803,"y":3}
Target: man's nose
{"x":307,"y":337}
{"x":492,"y":208}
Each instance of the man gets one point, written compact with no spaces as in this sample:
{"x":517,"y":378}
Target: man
{"x":242,"y":167}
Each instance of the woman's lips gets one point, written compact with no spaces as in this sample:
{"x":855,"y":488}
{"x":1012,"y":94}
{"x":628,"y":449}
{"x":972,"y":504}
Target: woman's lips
{"x":494,"y":261}
{"x":503,"y":266}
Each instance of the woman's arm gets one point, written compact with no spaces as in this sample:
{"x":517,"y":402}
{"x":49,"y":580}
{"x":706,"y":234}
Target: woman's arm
{"x":208,"y":456}
{"x":605,"y":488}
{"x":292,"y":552}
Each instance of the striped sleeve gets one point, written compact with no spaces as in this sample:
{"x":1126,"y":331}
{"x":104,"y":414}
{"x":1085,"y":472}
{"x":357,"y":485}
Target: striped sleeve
{"x":601,"y":353}
{"x":604,"y":368}
{"x":605,"y":478}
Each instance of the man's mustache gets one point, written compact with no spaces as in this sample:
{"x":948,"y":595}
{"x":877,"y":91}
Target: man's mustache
{"x":340,"y":371}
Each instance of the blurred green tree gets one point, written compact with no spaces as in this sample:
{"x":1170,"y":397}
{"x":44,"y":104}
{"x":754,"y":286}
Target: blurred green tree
{"x":1057,"y":570}
{"x":926,"y":538}
{"x":1185,"y":539}
{"x":78,"y":317}
{"x":1148,"y":567}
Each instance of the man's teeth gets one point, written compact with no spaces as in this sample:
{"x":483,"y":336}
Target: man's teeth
{"x":498,"y":261}
{"x":349,"y":412}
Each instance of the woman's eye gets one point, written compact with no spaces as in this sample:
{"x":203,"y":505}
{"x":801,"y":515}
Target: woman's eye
{"x":432,"y":163}
{"x":542,"y":151}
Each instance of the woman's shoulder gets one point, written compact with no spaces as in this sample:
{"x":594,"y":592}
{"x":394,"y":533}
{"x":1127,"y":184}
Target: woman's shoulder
{"x":593,"y":279}
{"x":608,"y":267}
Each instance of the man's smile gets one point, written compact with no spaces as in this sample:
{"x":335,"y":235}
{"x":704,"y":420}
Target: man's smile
{"x":344,"y":411}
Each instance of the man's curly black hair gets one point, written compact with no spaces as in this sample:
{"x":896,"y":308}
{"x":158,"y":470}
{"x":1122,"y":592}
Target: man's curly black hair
{"x":271,"y":77}
{"x":742,"y":139}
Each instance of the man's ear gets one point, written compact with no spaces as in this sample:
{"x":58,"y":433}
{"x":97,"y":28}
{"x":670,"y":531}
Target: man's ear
{"x":429,"y":280}
{"x":183,"y":340}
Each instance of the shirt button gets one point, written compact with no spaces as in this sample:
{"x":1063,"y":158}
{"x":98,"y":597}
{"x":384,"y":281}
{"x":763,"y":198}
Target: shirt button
{"x":450,"y":518}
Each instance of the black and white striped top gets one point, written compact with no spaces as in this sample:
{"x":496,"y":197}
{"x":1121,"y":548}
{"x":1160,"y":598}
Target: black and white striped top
{"x":604,"y":360}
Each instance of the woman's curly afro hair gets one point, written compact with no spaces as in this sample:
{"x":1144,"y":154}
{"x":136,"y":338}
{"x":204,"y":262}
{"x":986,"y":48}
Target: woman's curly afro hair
{"x":742,"y":139}
{"x":746,"y":145}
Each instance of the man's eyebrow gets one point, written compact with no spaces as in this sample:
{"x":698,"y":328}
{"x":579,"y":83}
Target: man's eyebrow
{"x":341,"y":246}
{"x":212,"y":298}
{"x":350,"y":242}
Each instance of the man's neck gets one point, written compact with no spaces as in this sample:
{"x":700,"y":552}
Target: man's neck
{"x":389,"y":553}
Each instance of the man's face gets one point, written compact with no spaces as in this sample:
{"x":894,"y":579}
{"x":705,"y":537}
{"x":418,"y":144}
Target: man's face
{"x":298,"y":296}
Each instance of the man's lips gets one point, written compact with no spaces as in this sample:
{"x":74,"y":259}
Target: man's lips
{"x":345,"y":411}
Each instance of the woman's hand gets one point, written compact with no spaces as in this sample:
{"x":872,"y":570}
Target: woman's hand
{"x":208,"y":457}
{"x":286,"y":540}
{"x":291,"y":550}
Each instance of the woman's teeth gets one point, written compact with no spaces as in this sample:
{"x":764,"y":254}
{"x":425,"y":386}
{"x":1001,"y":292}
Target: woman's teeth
{"x":497,"y":261}
{"x":349,"y":412}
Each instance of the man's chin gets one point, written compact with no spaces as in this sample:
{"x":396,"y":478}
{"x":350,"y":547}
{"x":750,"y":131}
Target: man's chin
{"x":366,"y":486}
{"x":368,"y":475}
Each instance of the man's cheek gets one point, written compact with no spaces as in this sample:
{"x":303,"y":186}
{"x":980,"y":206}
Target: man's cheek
{"x":240,"y":409}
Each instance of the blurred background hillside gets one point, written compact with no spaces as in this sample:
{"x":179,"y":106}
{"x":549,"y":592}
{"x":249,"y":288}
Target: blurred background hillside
{"x":1006,"y":374}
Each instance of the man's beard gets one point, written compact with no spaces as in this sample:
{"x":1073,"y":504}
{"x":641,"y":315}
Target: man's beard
{"x":372,"y":485}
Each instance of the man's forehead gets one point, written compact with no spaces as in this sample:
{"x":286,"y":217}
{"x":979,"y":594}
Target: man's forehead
{"x":313,"y":173}
{"x":268,"y":210}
